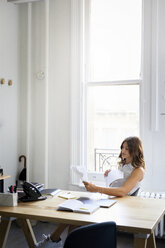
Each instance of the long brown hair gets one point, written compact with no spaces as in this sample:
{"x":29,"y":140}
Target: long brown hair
{"x":135,"y":150}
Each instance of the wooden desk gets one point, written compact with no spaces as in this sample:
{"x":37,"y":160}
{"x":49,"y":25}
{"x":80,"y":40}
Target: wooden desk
{"x":132,"y":214}
{"x":1,"y":182}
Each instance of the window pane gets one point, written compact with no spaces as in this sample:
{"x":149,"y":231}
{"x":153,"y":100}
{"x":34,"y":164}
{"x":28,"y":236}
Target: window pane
{"x":115,"y":40}
{"x":113,"y":114}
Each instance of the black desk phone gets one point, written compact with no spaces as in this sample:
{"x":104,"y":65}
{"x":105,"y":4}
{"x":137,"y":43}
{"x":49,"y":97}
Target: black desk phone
{"x":31,"y":193}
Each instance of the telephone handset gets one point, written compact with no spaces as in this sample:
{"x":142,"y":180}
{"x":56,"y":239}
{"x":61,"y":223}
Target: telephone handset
{"x":31,"y":193}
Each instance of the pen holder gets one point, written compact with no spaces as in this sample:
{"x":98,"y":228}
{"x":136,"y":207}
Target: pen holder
{"x":9,"y":199}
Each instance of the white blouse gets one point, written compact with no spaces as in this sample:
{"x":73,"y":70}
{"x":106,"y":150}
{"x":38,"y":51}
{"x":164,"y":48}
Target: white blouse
{"x":127,"y":170}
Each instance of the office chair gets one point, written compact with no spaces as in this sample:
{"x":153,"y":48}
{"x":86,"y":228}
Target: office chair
{"x":100,"y":235}
{"x":136,"y":192}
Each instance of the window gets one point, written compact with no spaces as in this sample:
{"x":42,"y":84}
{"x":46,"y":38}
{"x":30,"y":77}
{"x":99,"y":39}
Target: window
{"x":113,"y":59}
{"x":117,"y":65}
{"x":113,"y":114}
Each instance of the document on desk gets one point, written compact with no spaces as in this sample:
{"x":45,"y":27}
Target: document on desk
{"x":51,"y":192}
{"x":66,"y":195}
{"x":77,"y":206}
{"x":113,"y":175}
{"x":104,"y":203}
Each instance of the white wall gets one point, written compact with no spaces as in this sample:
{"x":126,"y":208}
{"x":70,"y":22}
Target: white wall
{"x":153,"y":102}
{"x":9,"y":95}
{"x":45,"y":134}
{"x":48,"y":156}
{"x":59,"y":93}
{"x":159,"y":136}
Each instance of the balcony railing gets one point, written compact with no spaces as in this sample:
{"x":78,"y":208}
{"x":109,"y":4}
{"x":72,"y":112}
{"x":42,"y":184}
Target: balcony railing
{"x":105,"y":159}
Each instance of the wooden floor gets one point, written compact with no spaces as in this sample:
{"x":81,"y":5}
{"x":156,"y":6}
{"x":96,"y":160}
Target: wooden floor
{"x":16,"y":237}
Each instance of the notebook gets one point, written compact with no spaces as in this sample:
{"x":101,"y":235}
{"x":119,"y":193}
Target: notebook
{"x":105,"y":203}
{"x":77,"y":206}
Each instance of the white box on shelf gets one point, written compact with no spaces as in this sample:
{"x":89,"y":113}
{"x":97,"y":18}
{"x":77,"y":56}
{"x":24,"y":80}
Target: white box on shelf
{"x":9,"y":199}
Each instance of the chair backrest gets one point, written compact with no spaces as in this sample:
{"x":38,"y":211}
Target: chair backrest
{"x":100,"y":235}
{"x":136,"y":192}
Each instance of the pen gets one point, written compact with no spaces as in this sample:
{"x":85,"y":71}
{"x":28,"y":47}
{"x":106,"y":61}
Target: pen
{"x":12,"y":189}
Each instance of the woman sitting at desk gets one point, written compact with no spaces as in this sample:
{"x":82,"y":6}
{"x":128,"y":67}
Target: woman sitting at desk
{"x":133,"y":167}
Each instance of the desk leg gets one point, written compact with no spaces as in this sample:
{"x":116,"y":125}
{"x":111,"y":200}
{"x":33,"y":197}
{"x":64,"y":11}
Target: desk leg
{"x":4,"y":230}
{"x":144,"y":241}
{"x":28,"y":232}
{"x":151,"y":241}
{"x":140,"y":242}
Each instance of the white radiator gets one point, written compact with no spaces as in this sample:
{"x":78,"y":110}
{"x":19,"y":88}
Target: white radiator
{"x":160,"y":229}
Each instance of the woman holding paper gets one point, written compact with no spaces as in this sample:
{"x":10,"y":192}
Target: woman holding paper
{"x":133,"y":167}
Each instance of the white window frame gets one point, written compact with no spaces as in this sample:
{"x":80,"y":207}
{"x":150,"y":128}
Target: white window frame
{"x":79,"y":82}
{"x":77,"y":60}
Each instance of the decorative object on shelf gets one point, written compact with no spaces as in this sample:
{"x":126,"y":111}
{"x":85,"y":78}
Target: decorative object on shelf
{"x":10,"y":82}
{"x":2,"y":81}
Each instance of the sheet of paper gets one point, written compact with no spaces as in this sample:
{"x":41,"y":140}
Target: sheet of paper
{"x":106,"y":203}
{"x":67,"y":195}
{"x":113,"y":175}
{"x":81,"y":172}
{"x":51,"y":192}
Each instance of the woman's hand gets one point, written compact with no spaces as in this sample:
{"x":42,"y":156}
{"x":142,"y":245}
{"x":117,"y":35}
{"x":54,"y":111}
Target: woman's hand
{"x":106,"y":173}
{"x":90,"y":187}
